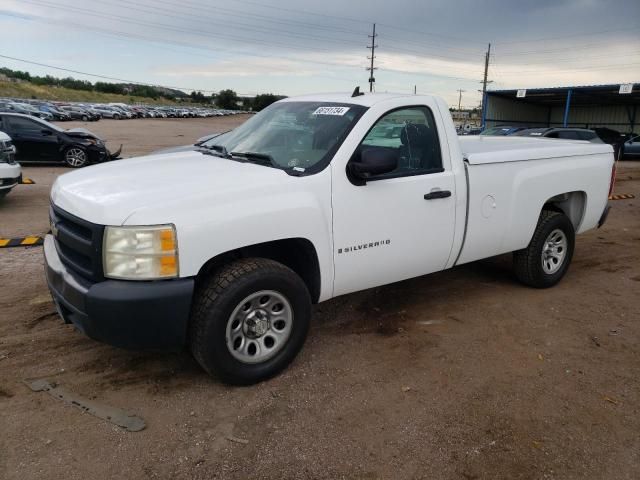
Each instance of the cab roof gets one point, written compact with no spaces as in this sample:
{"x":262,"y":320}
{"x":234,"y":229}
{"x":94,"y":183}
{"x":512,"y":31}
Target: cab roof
{"x":366,"y":99}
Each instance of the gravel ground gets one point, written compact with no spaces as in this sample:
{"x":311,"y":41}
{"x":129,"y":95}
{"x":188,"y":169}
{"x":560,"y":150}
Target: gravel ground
{"x":463,"y":374}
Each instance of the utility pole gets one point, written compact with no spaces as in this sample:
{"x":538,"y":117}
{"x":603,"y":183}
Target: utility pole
{"x":373,"y":56}
{"x":460,"y":92}
{"x":486,"y":73}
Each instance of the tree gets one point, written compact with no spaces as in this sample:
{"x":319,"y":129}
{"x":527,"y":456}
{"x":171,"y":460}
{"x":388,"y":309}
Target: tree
{"x":198,"y":97}
{"x":263,"y":101}
{"x":227,"y":99}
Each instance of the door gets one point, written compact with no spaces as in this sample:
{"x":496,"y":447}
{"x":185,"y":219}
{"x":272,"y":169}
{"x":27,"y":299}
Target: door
{"x":33,"y":140}
{"x":400,"y":224}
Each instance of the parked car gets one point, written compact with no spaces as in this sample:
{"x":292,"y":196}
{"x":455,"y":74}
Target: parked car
{"x":107,"y":112}
{"x":502,"y":130}
{"x":37,"y":140}
{"x":565,"y":133}
{"x":123,"y":109}
{"x":631,"y":146}
{"x":26,"y":109}
{"x":304,"y":202}
{"x":77,"y":113}
{"x":57,"y":114}
{"x":10,"y":171}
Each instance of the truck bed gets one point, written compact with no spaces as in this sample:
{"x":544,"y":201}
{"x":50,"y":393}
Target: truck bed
{"x":478,"y":150}
{"x":511,"y":178}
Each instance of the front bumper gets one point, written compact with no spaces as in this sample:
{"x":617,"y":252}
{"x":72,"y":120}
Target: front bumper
{"x":99,"y":154}
{"x":10,"y":175}
{"x":127,"y":314}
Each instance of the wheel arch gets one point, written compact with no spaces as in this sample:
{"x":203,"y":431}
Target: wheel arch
{"x":572,"y":204}
{"x":299,"y":254}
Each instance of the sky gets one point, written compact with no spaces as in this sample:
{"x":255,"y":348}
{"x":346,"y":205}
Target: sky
{"x":293,"y":47}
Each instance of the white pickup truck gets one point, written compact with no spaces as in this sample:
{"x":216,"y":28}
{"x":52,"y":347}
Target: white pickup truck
{"x":225,"y":248}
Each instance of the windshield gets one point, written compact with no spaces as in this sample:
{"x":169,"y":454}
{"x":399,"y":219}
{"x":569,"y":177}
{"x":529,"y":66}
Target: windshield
{"x":47,"y":124}
{"x":299,"y":135}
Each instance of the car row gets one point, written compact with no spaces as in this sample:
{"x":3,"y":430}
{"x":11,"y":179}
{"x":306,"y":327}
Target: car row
{"x":86,"y":112}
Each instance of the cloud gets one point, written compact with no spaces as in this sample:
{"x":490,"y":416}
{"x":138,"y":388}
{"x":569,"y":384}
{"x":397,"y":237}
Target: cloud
{"x":299,"y":46}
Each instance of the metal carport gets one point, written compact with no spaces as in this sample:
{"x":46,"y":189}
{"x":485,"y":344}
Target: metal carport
{"x":581,"y":106}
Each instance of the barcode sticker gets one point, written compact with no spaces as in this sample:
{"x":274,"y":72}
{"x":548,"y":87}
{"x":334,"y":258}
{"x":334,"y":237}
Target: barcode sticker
{"x":331,"y":111}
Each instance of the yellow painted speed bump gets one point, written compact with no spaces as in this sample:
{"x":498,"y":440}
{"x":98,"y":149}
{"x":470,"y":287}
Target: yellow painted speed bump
{"x":30,"y":241}
{"x":27,"y":181}
{"x":622,"y":196}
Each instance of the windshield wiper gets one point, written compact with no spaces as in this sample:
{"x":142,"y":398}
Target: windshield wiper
{"x":259,"y":158}
{"x":221,"y":150}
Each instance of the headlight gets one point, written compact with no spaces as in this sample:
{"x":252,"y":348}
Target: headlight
{"x":140,"y":253}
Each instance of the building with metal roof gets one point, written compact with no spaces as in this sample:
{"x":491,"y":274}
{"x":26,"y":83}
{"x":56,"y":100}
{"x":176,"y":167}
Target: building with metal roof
{"x":611,"y":106}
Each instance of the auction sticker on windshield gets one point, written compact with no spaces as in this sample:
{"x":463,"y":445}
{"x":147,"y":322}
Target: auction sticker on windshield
{"x":331,"y":111}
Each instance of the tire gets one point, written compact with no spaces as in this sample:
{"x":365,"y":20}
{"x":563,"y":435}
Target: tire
{"x":221,"y":335}
{"x":116,"y":117}
{"x":547,"y":257}
{"x":85,"y":118}
{"x":76,"y":156}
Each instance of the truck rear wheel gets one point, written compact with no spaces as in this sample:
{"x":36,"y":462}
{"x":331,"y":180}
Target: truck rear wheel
{"x":547,"y":257}
{"x":249,"y":320}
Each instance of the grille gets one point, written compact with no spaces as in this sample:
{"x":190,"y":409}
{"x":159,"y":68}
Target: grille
{"x":8,"y":181}
{"x":78,"y":242}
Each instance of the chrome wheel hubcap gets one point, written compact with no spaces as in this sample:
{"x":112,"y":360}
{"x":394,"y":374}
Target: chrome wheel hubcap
{"x":554,"y":251}
{"x":259,"y":326}
{"x":76,"y":157}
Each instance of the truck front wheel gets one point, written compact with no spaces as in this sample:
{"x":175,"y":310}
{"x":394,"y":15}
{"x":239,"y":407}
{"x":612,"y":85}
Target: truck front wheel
{"x":547,"y":257}
{"x":249,"y":320}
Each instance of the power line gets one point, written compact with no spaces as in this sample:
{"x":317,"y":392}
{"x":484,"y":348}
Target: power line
{"x":586,"y":46}
{"x":351,"y":19}
{"x":249,"y":27}
{"x":118,"y":34}
{"x":589,"y":34}
{"x":239,"y":13}
{"x":165,"y":26}
{"x":582,"y":68}
{"x":104,"y":77}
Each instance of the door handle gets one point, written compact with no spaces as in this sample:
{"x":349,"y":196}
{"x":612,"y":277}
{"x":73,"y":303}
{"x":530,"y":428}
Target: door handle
{"x":437,"y":194}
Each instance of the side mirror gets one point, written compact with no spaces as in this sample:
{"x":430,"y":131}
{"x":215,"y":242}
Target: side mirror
{"x":46,"y":132}
{"x":373,"y":161}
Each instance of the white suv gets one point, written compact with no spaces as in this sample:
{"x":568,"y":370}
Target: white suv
{"x":10,"y":171}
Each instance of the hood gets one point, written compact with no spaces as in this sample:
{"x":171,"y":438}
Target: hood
{"x":109,"y":193}
{"x":181,"y":148}
{"x":81,"y":133}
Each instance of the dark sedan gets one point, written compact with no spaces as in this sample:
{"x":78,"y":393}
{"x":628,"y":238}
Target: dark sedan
{"x":500,"y":131}
{"x":39,"y":141}
{"x":77,"y":113}
{"x":564,"y":133}
{"x":631,"y":146}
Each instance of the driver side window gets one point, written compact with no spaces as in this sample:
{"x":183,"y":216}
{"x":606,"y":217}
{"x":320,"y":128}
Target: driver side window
{"x":410,"y":133}
{"x":20,"y":124}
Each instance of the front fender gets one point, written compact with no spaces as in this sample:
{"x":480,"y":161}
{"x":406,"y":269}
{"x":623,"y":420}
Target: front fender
{"x":208,"y":225}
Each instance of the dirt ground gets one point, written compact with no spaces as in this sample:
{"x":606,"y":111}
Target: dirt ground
{"x":463,"y":374}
